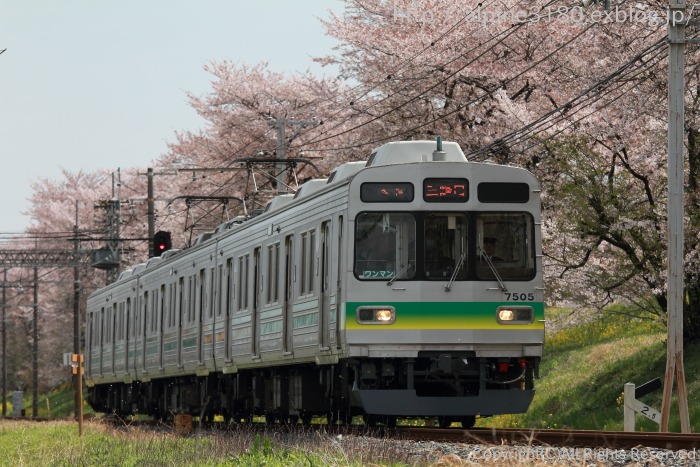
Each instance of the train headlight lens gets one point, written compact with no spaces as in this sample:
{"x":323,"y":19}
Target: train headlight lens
{"x":506,"y":314}
{"x":376,"y":315}
{"x":385,"y":315}
{"x":515,"y":315}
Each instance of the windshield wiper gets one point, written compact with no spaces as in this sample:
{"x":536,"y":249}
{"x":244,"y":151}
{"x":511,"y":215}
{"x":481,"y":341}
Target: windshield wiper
{"x":406,"y":268}
{"x":494,"y":271}
{"x":448,"y":287}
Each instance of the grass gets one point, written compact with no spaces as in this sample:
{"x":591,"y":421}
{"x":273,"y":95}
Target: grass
{"x":24,"y":443}
{"x":58,"y":403}
{"x":585,"y":368}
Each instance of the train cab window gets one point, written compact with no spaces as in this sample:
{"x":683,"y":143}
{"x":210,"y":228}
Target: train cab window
{"x":385,"y":245}
{"x":505,"y":245}
{"x":445,"y":246}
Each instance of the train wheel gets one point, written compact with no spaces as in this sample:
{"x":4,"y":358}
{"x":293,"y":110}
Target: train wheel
{"x":369,"y":419}
{"x":333,"y":418}
{"x":270,"y":418}
{"x":468,"y":421}
{"x":306,"y":418}
{"x":390,"y":422}
{"x":444,"y":422}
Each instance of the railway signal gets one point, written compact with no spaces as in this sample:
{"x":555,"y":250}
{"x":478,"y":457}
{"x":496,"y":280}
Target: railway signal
{"x":161,"y":242}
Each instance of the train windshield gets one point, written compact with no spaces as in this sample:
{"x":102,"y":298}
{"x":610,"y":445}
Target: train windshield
{"x":507,"y":240}
{"x":385,"y":245}
{"x":444,"y":246}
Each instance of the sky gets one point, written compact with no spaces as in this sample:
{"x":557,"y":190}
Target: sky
{"x":95,"y":84}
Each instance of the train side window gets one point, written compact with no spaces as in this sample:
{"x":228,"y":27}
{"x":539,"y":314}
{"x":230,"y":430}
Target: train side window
{"x":103,"y":324}
{"x":273,"y":259}
{"x":308,"y":247}
{"x":127,"y":317}
{"x":119,"y":327}
{"x":191,"y":298}
{"x":385,"y":245}
{"x":163,"y":309}
{"x":117,"y":321}
{"x":229,"y":285}
{"x":220,"y":295}
{"x":180,"y":301}
{"x":211,"y":299}
{"x":202,"y":304}
{"x":144,"y":316}
{"x":243,"y":282}
{"x":172,"y":305}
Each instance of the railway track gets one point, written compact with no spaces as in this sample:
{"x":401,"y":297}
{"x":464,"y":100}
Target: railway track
{"x":559,"y":438}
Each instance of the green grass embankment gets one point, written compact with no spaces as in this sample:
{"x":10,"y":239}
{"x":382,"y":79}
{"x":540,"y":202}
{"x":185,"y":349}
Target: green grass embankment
{"x":585,"y":368}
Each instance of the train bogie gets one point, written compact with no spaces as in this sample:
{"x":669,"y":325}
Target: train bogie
{"x":374,"y":293}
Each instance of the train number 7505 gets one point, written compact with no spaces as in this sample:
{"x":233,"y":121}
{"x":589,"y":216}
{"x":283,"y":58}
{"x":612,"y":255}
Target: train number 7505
{"x":520,"y":296}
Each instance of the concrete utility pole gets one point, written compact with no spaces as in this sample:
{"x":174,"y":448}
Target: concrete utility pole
{"x":4,"y":342}
{"x":676,"y":131}
{"x":151,"y":213}
{"x":77,"y":380}
{"x":35,"y":346}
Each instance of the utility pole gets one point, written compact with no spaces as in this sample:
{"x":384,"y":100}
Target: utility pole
{"x":4,"y":342}
{"x":77,"y":380}
{"x":151,"y":213}
{"x":676,"y":130}
{"x":35,"y":346}
{"x":280,"y":125}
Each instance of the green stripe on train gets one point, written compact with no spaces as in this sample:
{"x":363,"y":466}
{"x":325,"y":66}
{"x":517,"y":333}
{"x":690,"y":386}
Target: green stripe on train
{"x":444,"y":315}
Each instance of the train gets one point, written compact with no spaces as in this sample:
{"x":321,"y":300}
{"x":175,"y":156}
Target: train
{"x":406,"y":286}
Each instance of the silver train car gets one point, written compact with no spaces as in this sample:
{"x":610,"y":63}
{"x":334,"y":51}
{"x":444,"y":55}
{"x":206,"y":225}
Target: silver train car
{"x":407,"y":286}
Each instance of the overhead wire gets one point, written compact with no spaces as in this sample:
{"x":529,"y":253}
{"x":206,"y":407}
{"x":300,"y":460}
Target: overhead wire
{"x":577,"y":101}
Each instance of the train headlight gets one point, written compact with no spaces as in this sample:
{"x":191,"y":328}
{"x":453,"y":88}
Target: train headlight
{"x":376,"y":315}
{"x":506,"y":314}
{"x":515,"y":315}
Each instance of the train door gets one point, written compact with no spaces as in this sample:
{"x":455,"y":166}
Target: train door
{"x":128,"y":318}
{"x":287,"y":328}
{"x":142,"y":326}
{"x":100,"y":340}
{"x":324,"y":312}
{"x":113,"y":336}
{"x":162,"y":309}
{"x":228,"y":306}
{"x":254,"y":319}
{"x":201,"y":306}
{"x":180,"y":317}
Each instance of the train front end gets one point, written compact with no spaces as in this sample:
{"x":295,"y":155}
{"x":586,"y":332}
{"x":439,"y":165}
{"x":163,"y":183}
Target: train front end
{"x":444,"y":295}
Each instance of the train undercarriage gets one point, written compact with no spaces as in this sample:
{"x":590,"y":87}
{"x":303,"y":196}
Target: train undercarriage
{"x":451,"y":387}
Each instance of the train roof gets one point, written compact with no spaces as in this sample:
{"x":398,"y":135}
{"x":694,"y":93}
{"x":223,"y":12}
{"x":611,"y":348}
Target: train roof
{"x":402,"y":152}
{"x":310,"y":187}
